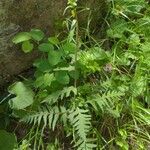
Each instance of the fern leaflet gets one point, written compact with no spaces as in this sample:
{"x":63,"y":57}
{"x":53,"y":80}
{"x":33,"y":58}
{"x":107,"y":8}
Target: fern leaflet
{"x":105,"y":101}
{"x":51,"y":99}
{"x":46,"y":117}
{"x":81,"y":122}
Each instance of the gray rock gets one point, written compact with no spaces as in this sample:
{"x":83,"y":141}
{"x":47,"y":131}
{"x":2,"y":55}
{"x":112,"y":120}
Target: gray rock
{"x":22,"y":15}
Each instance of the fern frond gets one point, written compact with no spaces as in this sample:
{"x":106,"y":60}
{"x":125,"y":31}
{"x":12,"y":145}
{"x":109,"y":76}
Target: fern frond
{"x":81,"y":122}
{"x":44,"y":117}
{"x":66,"y":92}
{"x":64,"y":115}
{"x":85,"y":145}
{"x":104,"y":101}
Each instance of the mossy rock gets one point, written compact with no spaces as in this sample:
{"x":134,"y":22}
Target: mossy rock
{"x":22,"y":15}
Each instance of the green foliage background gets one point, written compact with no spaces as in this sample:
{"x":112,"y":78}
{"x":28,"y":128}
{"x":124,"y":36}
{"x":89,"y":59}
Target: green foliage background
{"x":85,"y":95}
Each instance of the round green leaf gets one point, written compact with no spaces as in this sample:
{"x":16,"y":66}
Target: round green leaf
{"x":44,"y":80}
{"x":21,"y":37}
{"x":69,"y":48}
{"x":24,"y":96}
{"x":48,"y":78}
{"x":42,"y":65}
{"x":27,"y":46}
{"x":46,"y":47}
{"x":53,"y":40}
{"x":7,"y":140}
{"x":74,"y":74}
{"x":54,"y":57}
{"x":62,"y":77}
{"x":37,"y":34}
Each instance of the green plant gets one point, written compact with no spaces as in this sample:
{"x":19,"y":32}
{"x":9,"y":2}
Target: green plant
{"x":4,"y":138}
{"x":97,"y":98}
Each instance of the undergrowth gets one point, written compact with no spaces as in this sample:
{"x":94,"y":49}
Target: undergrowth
{"x":84,"y":96}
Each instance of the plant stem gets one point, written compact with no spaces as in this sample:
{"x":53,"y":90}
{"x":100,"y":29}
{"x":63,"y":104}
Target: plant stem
{"x":77,"y":48}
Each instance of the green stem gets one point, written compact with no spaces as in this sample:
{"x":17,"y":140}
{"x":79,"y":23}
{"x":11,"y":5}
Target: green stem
{"x":77,"y":48}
